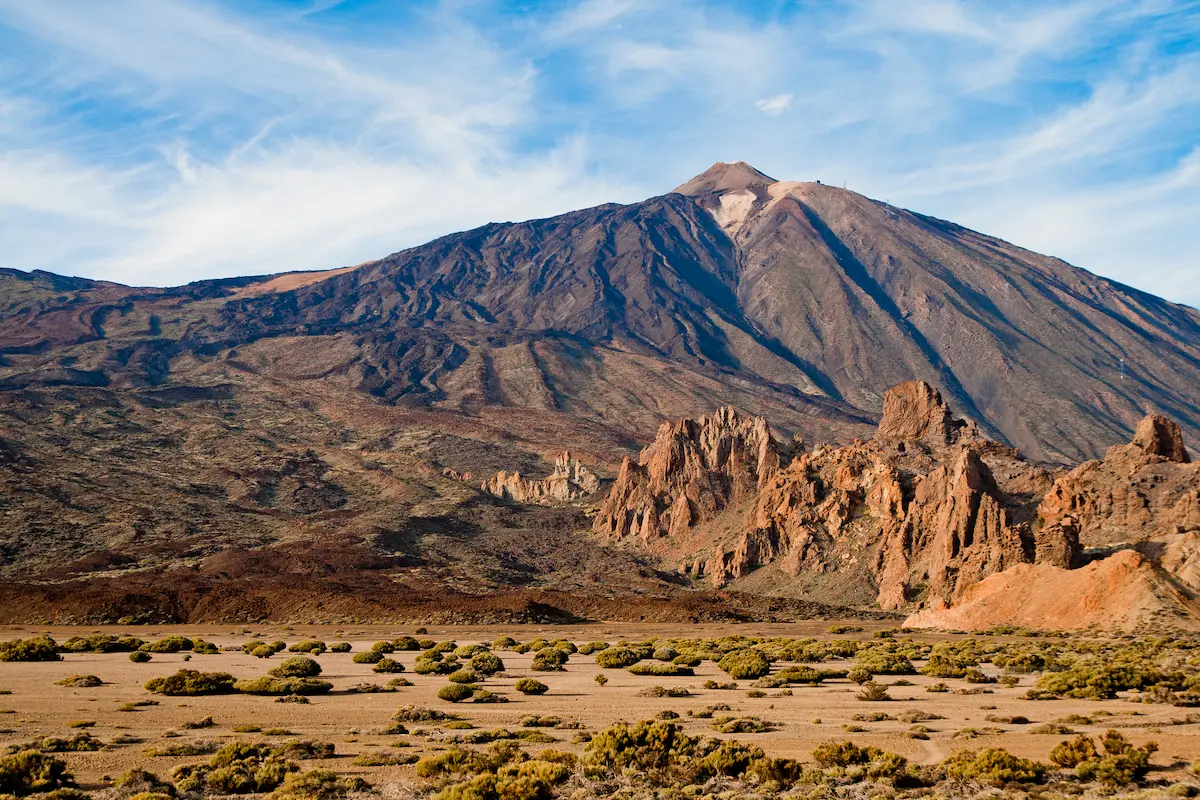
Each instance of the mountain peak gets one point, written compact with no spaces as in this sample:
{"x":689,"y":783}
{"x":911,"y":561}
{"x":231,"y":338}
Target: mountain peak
{"x":722,"y":177}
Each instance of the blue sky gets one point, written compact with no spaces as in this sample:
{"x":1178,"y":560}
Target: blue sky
{"x":160,"y":141}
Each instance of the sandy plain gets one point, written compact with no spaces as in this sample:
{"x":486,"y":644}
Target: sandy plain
{"x":34,"y":706}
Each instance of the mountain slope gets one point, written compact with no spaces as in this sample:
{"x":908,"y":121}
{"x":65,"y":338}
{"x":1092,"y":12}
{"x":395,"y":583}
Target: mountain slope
{"x":316,"y":420}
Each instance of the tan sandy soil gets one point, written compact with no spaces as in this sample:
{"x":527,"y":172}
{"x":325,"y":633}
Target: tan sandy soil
{"x":37,"y":707}
{"x":291,"y":280}
{"x":1121,"y":592}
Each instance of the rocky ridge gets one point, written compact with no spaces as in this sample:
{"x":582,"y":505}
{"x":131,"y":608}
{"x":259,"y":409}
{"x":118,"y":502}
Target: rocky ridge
{"x":570,"y":481}
{"x":916,"y":516}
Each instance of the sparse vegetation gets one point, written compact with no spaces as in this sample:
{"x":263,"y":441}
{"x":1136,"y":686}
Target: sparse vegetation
{"x":189,"y":682}
{"x":39,"y":648}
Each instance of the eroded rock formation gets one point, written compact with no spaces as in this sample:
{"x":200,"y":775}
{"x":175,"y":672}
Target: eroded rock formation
{"x":570,"y":481}
{"x":915,"y":516}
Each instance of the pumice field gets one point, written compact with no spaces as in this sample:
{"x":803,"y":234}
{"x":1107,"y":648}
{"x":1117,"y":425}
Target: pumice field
{"x":637,"y":711}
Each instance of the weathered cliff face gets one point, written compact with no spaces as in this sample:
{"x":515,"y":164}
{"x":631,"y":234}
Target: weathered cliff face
{"x":570,"y":481}
{"x":1138,"y":491}
{"x":916,"y":515}
{"x":694,"y":470}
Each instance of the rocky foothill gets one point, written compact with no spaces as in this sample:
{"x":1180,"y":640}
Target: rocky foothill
{"x":913,"y":518}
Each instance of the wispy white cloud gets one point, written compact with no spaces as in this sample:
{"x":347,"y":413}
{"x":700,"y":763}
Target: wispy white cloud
{"x":774,"y":106}
{"x":163,"y":140}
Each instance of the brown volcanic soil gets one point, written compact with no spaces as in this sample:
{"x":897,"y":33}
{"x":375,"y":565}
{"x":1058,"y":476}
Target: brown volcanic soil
{"x":354,"y":722}
{"x":154,"y":441}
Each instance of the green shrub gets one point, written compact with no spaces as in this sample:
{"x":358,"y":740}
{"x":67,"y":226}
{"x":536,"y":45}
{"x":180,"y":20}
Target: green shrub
{"x":29,"y":771}
{"x":297,"y":667}
{"x":645,"y":746}
{"x":340,"y":647}
{"x":531,"y":686}
{"x":318,"y":784}
{"x":81,"y":682}
{"x":883,"y":663}
{"x":415,"y":714}
{"x":455,"y":692}
{"x":994,"y":766}
{"x":741,"y":725}
{"x":204,"y":648}
{"x":101,"y":643}
{"x":282,"y":687}
{"x":463,"y":676}
{"x":859,"y":675}
{"x":593,"y":647}
{"x":550,"y":659}
{"x":388,"y":666}
{"x":38,"y":648}
{"x":844,"y":754}
{"x":744,"y":664}
{"x":486,"y":663}
{"x":189,"y":682}
{"x":371,"y":656}
{"x":170,"y":644}
{"x":263,"y":651}
{"x":139,"y":656}
{"x":237,"y":768}
{"x":617,"y":657}
{"x":485,"y":696}
{"x":1073,"y":752}
{"x":505,"y":643}
{"x":384,"y":647}
{"x":1120,"y":765}
{"x":310,"y":646}
{"x":729,"y":759}
{"x":873,"y":692}
{"x":445,"y":647}
{"x":660,"y":669}
{"x":687,"y":660}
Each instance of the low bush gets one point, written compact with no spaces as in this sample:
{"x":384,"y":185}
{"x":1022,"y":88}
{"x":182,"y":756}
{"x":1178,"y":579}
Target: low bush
{"x":310,"y":646}
{"x":81,"y":682}
{"x":201,"y":647}
{"x":741,"y":725}
{"x":39,"y":648}
{"x":661,"y":669}
{"x":531,"y":686}
{"x":486,"y":663}
{"x":101,"y":643}
{"x":617,"y":657}
{"x":859,"y":675}
{"x":656,"y":745}
{"x":280,"y":687}
{"x":505,"y":643}
{"x":340,"y":647}
{"x":455,"y":692}
{"x":189,"y":682}
{"x":371,"y":656}
{"x":139,"y":656}
{"x":1120,"y":764}
{"x":994,"y":766}
{"x":416,"y":714}
{"x":885,"y":663}
{"x":30,"y":771}
{"x":169,"y":644}
{"x":744,"y":664}
{"x":388,"y":666}
{"x":592,"y":647}
{"x":297,"y":667}
{"x":79,"y":743}
{"x":318,"y":784}
{"x":844,"y":754}
{"x":873,"y":692}
{"x":550,"y":659}
{"x":237,"y":768}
